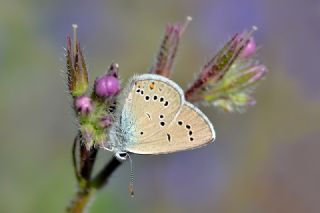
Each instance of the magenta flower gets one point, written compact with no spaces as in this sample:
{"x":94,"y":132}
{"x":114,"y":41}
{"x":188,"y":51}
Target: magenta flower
{"x":83,"y":105}
{"x":249,"y":49}
{"x":107,"y":86}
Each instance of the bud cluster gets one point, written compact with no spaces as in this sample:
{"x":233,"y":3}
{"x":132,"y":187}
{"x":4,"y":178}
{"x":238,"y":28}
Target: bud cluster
{"x":92,"y":110}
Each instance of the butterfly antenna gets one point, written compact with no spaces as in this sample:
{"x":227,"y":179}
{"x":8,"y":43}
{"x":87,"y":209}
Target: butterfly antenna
{"x":131,"y":191}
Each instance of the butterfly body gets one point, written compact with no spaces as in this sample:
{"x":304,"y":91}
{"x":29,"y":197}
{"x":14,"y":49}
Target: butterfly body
{"x":154,"y":118}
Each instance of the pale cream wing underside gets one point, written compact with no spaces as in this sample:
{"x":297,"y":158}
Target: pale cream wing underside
{"x":190,"y":129}
{"x":153,"y":101}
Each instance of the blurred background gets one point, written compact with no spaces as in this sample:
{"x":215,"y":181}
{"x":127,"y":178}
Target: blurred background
{"x":264,"y":160}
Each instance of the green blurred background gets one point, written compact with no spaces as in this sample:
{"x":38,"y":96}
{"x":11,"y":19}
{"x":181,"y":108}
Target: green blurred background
{"x":265,"y":160}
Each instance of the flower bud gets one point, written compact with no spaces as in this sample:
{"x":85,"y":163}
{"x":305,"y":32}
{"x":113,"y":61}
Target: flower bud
{"x":83,"y":105}
{"x":113,"y":70}
{"x":77,"y":75}
{"x":249,"y":49}
{"x":107,"y":86}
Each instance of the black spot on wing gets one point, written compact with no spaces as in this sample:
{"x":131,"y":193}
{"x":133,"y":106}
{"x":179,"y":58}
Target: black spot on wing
{"x":168,"y":137}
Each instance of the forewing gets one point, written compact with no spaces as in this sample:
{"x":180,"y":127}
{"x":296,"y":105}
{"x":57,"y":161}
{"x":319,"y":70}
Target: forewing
{"x":151,"y":102}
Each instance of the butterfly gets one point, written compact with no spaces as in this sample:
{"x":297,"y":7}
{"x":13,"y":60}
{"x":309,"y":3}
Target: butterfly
{"x":154,"y":118}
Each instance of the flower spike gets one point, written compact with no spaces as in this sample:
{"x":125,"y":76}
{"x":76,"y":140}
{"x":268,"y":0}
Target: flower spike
{"x":77,"y":74}
{"x":169,"y":47}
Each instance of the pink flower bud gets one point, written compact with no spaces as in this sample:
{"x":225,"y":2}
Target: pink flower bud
{"x":249,"y":49}
{"x":107,"y":86}
{"x":83,"y":104}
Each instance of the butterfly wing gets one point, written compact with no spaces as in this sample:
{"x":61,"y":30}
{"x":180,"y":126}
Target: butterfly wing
{"x":190,"y":129}
{"x":150,"y":102}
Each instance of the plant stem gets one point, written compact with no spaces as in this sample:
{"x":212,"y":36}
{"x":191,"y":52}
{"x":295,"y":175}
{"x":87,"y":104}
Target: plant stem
{"x":74,"y":157}
{"x":88,"y":187}
{"x":79,"y":203}
{"x":87,"y":159}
